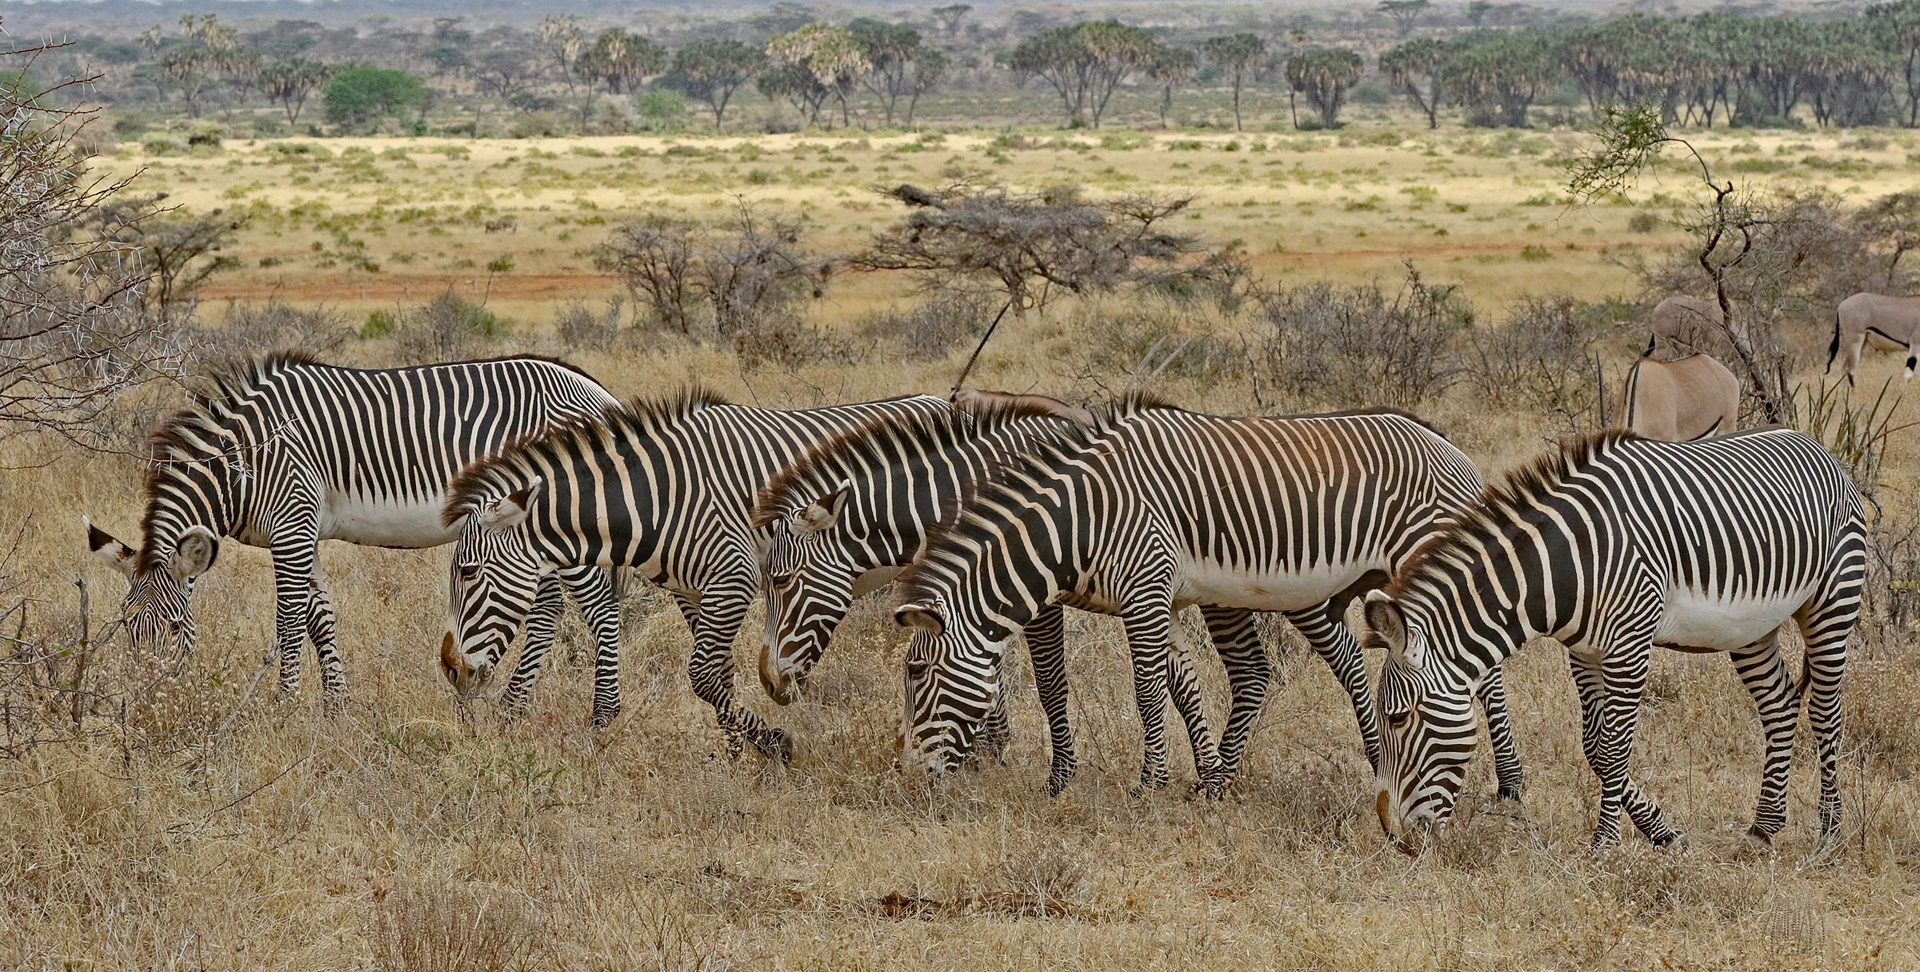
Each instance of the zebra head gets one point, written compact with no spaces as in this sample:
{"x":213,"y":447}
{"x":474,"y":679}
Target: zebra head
{"x":952,"y":684}
{"x":809,"y":590}
{"x":1427,"y":729}
{"x":158,"y":609}
{"x":496,"y":574}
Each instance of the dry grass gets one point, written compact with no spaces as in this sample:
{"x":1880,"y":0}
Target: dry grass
{"x":393,"y":837}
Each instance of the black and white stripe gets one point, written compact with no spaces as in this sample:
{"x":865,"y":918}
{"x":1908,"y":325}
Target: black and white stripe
{"x":662,"y":486}
{"x":1612,"y":546}
{"x":287,"y":452}
{"x":1154,"y":508}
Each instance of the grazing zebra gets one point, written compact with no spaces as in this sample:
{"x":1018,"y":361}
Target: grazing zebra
{"x":844,"y":519}
{"x":1156,"y":507}
{"x":287,"y":452}
{"x":664,"y":486}
{"x":1614,"y":545}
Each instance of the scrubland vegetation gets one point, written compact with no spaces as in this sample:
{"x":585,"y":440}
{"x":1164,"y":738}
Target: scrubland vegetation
{"x":164,"y":812}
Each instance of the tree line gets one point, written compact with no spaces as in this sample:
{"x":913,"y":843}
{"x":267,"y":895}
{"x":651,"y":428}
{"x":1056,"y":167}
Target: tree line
{"x":1714,"y":68}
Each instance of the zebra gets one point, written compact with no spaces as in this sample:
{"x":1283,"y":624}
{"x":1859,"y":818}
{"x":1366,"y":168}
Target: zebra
{"x":287,"y":451}
{"x":1613,"y":545}
{"x":850,"y":514}
{"x":1156,"y":507}
{"x":662,"y":485}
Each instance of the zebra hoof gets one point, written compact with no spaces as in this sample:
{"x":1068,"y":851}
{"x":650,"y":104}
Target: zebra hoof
{"x":779,"y":747}
{"x":1676,"y":844}
{"x":603,"y":718}
{"x":1759,"y":836}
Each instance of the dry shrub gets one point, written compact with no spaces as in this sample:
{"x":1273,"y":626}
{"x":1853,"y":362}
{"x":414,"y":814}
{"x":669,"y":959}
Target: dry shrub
{"x":1359,"y":346}
{"x":1546,"y":358}
{"x":933,"y":327}
{"x":447,"y":927}
{"x":715,"y":279}
{"x":1137,"y":342}
{"x":447,"y":328}
{"x":252,"y":329}
{"x":578,"y":326}
{"x":1881,"y":697}
{"x":168,"y":704}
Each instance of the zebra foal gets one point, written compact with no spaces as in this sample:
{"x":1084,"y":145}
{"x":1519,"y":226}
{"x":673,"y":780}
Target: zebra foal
{"x":1154,"y":508}
{"x":287,"y":452}
{"x":1614,"y":545}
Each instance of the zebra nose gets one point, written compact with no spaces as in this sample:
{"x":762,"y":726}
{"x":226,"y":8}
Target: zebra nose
{"x":1389,"y":815}
{"x":781,"y":686}
{"x":450,"y":660}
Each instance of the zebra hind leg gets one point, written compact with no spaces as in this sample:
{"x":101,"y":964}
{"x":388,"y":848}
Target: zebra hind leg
{"x":1249,"y":673}
{"x":1149,"y":641}
{"x":320,"y":631}
{"x":1183,"y":690}
{"x":1826,"y":624}
{"x":1765,"y":675}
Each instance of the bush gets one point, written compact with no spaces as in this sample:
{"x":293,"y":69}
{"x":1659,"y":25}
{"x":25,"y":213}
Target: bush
{"x":933,"y":327}
{"x":1642,"y":222}
{"x":257,"y":328}
{"x":579,"y":327}
{"x":1349,"y":347}
{"x":448,"y":328}
{"x":357,"y":97}
{"x":714,"y":279}
{"x":663,"y":110}
{"x":1546,"y":358}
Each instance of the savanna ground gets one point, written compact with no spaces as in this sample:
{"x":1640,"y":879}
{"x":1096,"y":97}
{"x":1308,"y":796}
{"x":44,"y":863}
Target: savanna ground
{"x":394,"y":836}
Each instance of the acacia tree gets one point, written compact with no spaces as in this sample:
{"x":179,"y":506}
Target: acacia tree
{"x":290,"y":82}
{"x":1323,"y":77}
{"x":205,"y":50}
{"x":1415,"y":68}
{"x":1030,"y":244}
{"x":711,"y":70}
{"x":1238,"y":55}
{"x":1404,"y":13}
{"x":902,"y":64}
{"x":1171,"y":66}
{"x":949,"y":16}
{"x":1083,"y":63}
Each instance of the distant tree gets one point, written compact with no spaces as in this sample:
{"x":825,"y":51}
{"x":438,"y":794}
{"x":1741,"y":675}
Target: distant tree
{"x":1083,"y":63}
{"x":1238,"y":55}
{"x":205,"y":51}
{"x":565,"y":45}
{"x":1404,"y":13}
{"x":1476,"y":12}
{"x":1898,"y":26}
{"x":1892,"y":221}
{"x":949,"y":16}
{"x":1323,"y":77}
{"x":817,"y":62}
{"x":1032,"y":244}
{"x":288,"y":83}
{"x":176,"y":251}
{"x":621,"y":60}
{"x":711,"y":70}
{"x":1171,"y":66}
{"x":357,"y":97}
{"x":1416,"y":68}
{"x":1498,"y":80}
{"x":903,"y":65}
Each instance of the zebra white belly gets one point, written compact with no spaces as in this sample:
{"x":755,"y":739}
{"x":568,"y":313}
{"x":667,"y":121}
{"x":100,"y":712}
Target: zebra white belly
{"x":1211,"y":583}
{"x":1696,"y":620}
{"x":384,"y":523}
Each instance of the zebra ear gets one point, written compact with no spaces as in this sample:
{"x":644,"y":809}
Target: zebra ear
{"x":193,"y":553}
{"x":1387,"y":620}
{"x":823,"y":512}
{"x":510,"y":511}
{"x":922,"y":616}
{"x":118,"y":555}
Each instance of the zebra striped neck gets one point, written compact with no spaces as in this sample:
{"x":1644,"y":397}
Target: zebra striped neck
{"x":199,"y":473}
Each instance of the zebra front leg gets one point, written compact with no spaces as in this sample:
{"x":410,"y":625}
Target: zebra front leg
{"x":1047,"y":647}
{"x":320,"y":625}
{"x":1249,"y":674}
{"x":1506,"y":759}
{"x":596,"y":593}
{"x":293,"y":601}
{"x":1610,"y":709}
{"x":1150,"y":642}
{"x":721,"y":611}
{"x":1330,"y":639}
{"x":541,"y":620}
{"x":1765,"y":675}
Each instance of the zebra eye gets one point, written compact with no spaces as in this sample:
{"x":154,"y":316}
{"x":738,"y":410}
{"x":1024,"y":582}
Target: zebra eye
{"x":781,"y":580}
{"x":1398,"y":718}
{"x":469,"y":571}
{"x":916,"y":669}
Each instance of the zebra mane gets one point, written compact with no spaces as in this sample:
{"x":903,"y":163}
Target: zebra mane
{"x":1501,"y":504}
{"x":1002,"y":484}
{"x":822,"y":467}
{"x":487,"y":478}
